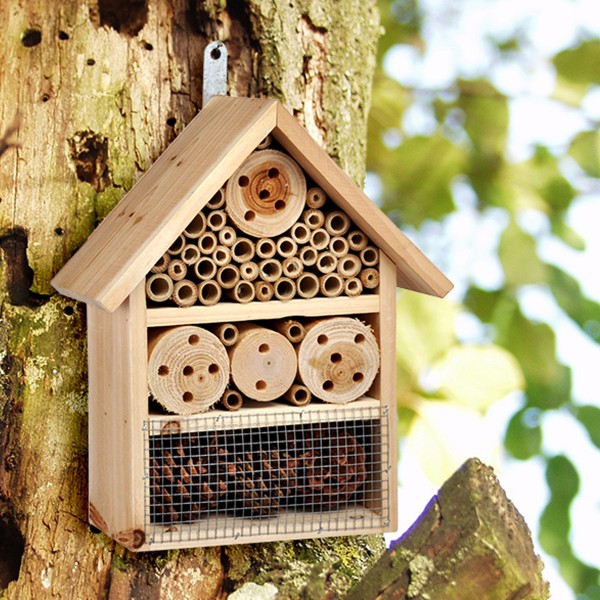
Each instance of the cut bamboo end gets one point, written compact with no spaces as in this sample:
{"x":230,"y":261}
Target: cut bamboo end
{"x":315,"y":197}
{"x":161,"y":264}
{"x":216,"y":220}
{"x":313,"y":218}
{"x":177,"y":269}
{"x":265,"y":143}
{"x":249,"y":271}
{"x":349,"y":265}
{"x":263,"y":363}
{"x":205,"y":268}
{"x":207,"y":242}
{"x":357,"y":240}
{"x":298,"y":395}
{"x":228,"y":276}
{"x":243,"y":292}
{"x":222,"y":256}
{"x":266,"y":248}
{"x":338,"y":359}
{"x":243,"y":250}
{"x":266,"y":195}
{"x":308,"y":255}
{"x":286,"y":246}
{"x":285,"y":289}
{"x":177,"y":246}
{"x":227,"y":236}
{"x":331,"y":285}
{"x":369,"y":278}
{"x":293,"y":330}
{"x":209,"y":292}
{"x":185,"y":293}
{"x":217,"y":201}
{"x":228,"y":334}
{"x":307,"y":285}
{"x":159,"y":287}
{"x":232,"y":400}
{"x":300,"y":233}
{"x":338,"y":246}
{"x":196,"y":227}
{"x":188,"y":369}
{"x":292,"y":267}
{"x":337,"y":222}
{"x":264,"y":291}
{"x":270,"y":270}
{"x":326,"y":262}
{"x":190,"y":254}
{"x":353,"y":287}
{"x":369,"y":256}
{"x":320,"y":239}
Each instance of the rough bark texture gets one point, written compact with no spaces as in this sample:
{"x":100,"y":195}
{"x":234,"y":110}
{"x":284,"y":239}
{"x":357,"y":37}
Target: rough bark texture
{"x":92,"y":92}
{"x":470,"y":543}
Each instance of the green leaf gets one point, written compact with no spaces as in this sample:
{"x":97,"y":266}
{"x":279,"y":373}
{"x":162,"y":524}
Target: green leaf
{"x":482,"y":303}
{"x":523,"y":437}
{"x":579,"y":65}
{"x":585,"y":149}
{"x":589,"y":417}
{"x":518,"y":255}
{"x":562,"y":478}
{"x":567,"y":234}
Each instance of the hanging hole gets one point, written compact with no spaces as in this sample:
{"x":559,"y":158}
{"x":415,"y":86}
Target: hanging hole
{"x":357,"y":377}
{"x":264,"y":194}
{"x":336,"y":357}
{"x":264,"y":348}
{"x":188,"y":396}
{"x":243,"y":181}
{"x":280,"y":205}
{"x":261,"y":385}
{"x":215,"y":53}
{"x":213,"y":368}
{"x":273,"y":172}
{"x":163,"y":370}
{"x":249,"y":215}
{"x":322,"y":339}
{"x":328,"y":385}
{"x":194,"y":339}
{"x":188,"y":370}
{"x":359,"y":338}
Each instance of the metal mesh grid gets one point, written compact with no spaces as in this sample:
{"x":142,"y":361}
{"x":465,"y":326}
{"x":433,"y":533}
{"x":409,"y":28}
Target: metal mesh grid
{"x":225,"y":478}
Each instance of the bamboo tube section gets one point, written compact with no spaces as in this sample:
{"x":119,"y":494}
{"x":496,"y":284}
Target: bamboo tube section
{"x":185,"y":293}
{"x":338,"y":359}
{"x":270,"y":270}
{"x":242,"y":292}
{"x":207,"y":242}
{"x":188,"y":369}
{"x":217,"y":201}
{"x":349,"y":266}
{"x":216,"y":220}
{"x":369,"y":278}
{"x":326,"y":262}
{"x":307,"y":285}
{"x":293,"y":330}
{"x":263,"y":363}
{"x":286,"y":247}
{"x":315,"y":197}
{"x":177,"y":269}
{"x":369,"y":256}
{"x":228,"y":334}
{"x":264,"y":291}
{"x":161,"y":264}
{"x":227,"y":236}
{"x":320,"y":239}
{"x":338,"y":246}
{"x":300,"y":233}
{"x":266,"y":248}
{"x":243,"y":250}
{"x":292,"y":267}
{"x":190,"y":254}
{"x":222,"y":256}
{"x":308,"y":255}
{"x":159,"y":287}
{"x":285,"y":289}
{"x":298,"y":395}
{"x":228,"y":276}
{"x":357,"y":240}
{"x":196,"y":227}
{"x":177,"y":246}
{"x":313,"y":218}
{"x":232,"y":400}
{"x":205,"y":268}
{"x":337,"y":222}
{"x":353,"y":287}
{"x":266,"y":195}
{"x":209,"y":292}
{"x":265,"y":143}
{"x":249,"y":271}
{"x":331,"y":285}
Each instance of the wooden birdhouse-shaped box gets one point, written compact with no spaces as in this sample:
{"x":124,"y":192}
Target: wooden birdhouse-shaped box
{"x":241,"y":318}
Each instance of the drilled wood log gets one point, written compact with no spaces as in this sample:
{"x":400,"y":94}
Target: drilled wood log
{"x":315,"y":197}
{"x":185,"y":293}
{"x":159,"y":287}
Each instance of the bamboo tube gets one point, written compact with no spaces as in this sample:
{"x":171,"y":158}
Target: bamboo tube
{"x":228,"y":333}
{"x":270,"y":270}
{"x":314,"y":218}
{"x":320,"y":239}
{"x":263,"y":363}
{"x":337,"y":222}
{"x":357,"y":240}
{"x":307,"y":285}
{"x":188,"y":368}
{"x":185,"y":293}
{"x":308,"y":255}
{"x":232,"y":400}
{"x":228,"y":276}
{"x":222,"y":255}
{"x":266,"y":195}
{"x":331,"y":285}
{"x":243,"y":292}
{"x":209,"y":292}
{"x":227,"y":236}
{"x":349,"y":265}
{"x":266,"y":248}
{"x":216,"y":220}
{"x":369,"y":256}
{"x":177,"y":269}
{"x":249,"y":270}
{"x":207,"y":242}
{"x":177,"y":246}
{"x":190,"y":254}
{"x":159,"y":287}
{"x":369,"y":278}
{"x":243,"y":250}
{"x":265,"y":143}
{"x":286,"y":246}
{"x":285,"y":289}
{"x":326,"y":262}
{"x":161,"y":264}
{"x":353,"y":287}
{"x":292,"y":267}
{"x":300,"y":233}
{"x":293,"y":330}
{"x":338,"y":246}
{"x":205,"y":268}
{"x":217,"y":201}
{"x":338,"y":359}
{"x":264,"y":291}
{"x":298,"y":395}
{"x":196,"y":227}
{"x":315,"y":197}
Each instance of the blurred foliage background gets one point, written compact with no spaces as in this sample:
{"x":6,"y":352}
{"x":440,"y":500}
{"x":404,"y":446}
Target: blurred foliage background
{"x":451,"y":161}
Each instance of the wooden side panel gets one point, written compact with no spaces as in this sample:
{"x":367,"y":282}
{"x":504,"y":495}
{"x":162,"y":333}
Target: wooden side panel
{"x":130,"y":240}
{"x":415,"y":271}
{"x":118,"y":407}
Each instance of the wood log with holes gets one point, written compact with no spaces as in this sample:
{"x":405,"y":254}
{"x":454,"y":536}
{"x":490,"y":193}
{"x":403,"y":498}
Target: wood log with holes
{"x":338,"y":359}
{"x":188,"y":368}
{"x":266,"y":195}
{"x":263,"y":363}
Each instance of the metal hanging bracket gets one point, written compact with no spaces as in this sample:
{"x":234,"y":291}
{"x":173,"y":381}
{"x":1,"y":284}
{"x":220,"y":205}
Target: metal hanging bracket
{"x":214,"y":77}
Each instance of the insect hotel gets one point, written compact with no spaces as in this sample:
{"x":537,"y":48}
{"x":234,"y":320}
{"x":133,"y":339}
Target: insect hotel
{"x":241,"y":317}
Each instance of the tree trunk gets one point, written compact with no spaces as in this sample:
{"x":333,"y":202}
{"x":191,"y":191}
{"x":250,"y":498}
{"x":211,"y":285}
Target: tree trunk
{"x":93,"y":92}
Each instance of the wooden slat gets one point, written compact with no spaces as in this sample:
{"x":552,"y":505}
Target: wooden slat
{"x":415,"y":271}
{"x":117,"y":256}
{"x":275,"y":309}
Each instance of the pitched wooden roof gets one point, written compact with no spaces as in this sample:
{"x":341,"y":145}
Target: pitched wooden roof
{"x":125,"y":246}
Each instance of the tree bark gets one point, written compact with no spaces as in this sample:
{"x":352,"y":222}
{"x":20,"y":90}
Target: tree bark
{"x":93,"y":92}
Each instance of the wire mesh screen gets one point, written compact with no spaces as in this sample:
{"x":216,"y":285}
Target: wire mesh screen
{"x":226,"y":478}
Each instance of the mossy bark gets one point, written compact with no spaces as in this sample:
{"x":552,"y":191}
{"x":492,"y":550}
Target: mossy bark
{"x":96,"y":90}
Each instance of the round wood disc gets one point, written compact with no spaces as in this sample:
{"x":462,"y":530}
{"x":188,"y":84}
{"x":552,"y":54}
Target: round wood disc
{"x":338,"y":359}
{"x":188,"y":369}
{"x":263,"y":363}
{"x":266,"y":195}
